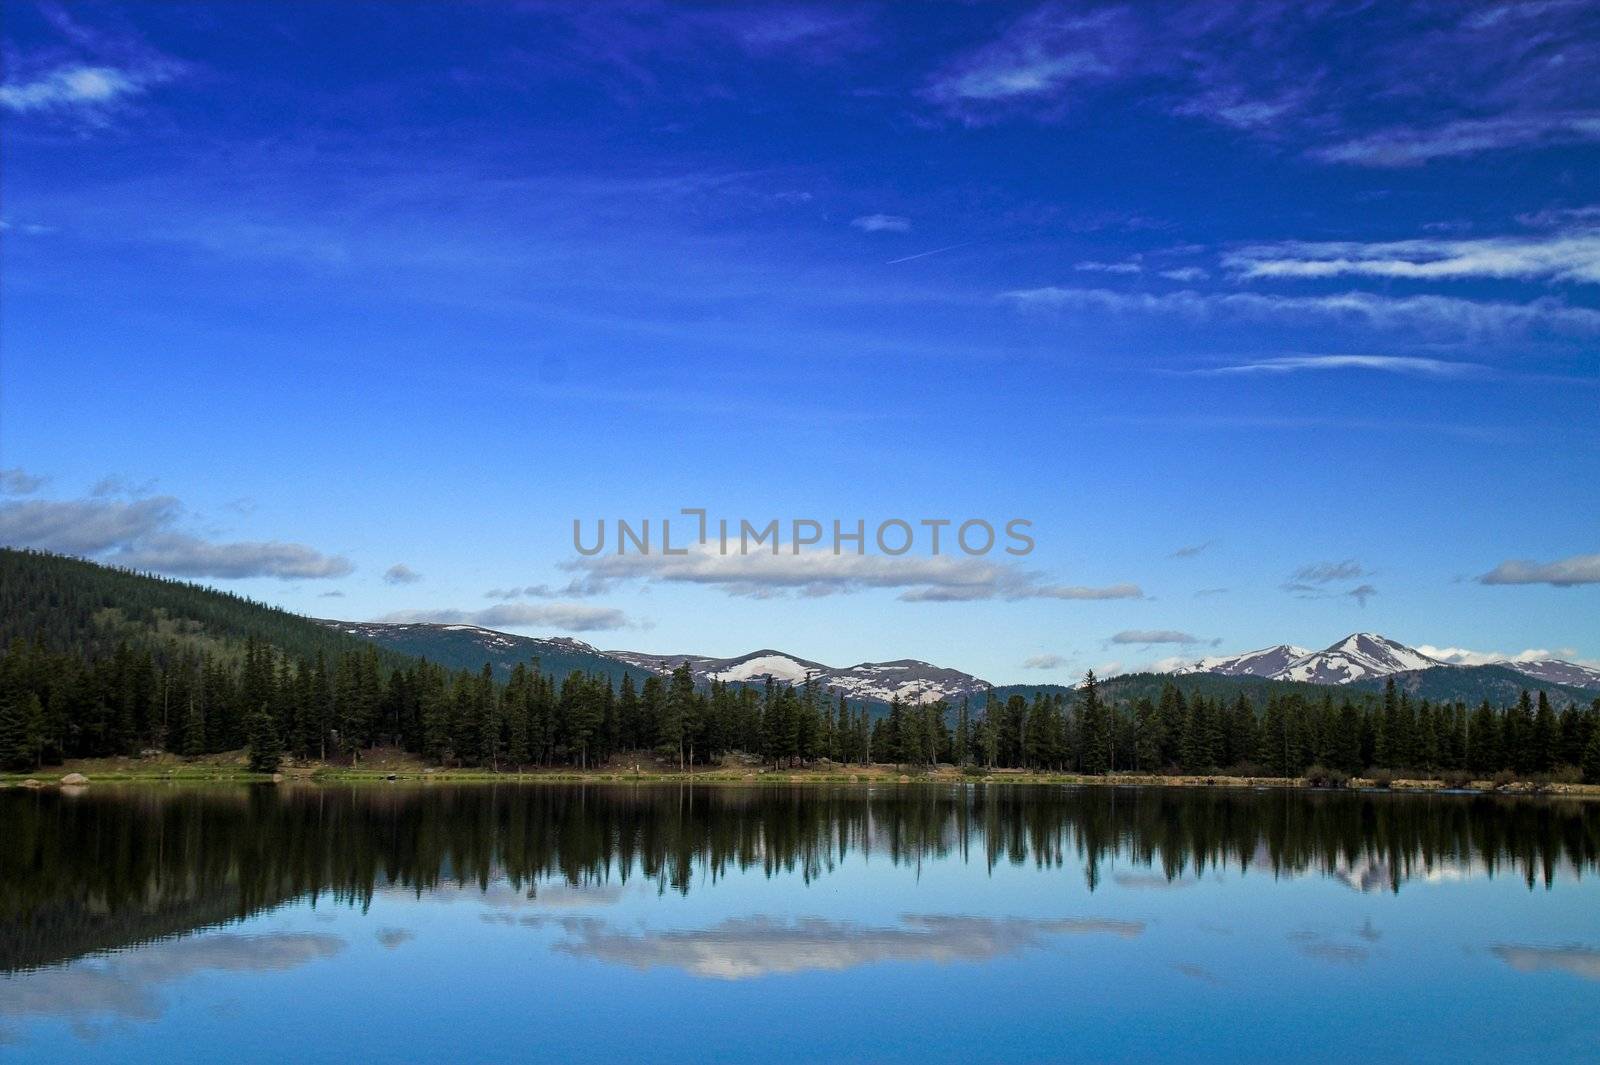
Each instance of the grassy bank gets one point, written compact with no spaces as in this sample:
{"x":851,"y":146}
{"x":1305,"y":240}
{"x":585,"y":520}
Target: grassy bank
{"x":388,"y":766}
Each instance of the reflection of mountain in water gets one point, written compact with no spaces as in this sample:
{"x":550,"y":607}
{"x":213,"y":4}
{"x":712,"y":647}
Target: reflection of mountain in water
{"x":109,"y":868}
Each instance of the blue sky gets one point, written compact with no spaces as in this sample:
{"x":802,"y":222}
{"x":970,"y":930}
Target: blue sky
{"x":1277,"y":321}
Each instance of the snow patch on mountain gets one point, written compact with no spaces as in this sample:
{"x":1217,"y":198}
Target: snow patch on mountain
{"x":764,"y":664}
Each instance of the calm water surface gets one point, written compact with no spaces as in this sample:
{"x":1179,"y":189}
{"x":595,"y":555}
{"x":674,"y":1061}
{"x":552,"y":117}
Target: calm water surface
{"x":920,"y":924}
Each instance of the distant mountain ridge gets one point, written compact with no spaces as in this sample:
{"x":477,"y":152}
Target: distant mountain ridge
{"x":1367,"y":656}
{"x":1361,"y":660}
{"x":907,"y":679}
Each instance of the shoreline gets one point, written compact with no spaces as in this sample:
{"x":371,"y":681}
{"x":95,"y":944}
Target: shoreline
{"x":170,"y":770}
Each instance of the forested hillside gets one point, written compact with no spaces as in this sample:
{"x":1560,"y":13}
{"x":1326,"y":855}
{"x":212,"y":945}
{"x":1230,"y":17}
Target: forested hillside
{"x":469,"y":647}
{"x":67,"y":604}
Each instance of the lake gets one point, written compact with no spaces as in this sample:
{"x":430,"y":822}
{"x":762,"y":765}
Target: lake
{"x":708,"y":924}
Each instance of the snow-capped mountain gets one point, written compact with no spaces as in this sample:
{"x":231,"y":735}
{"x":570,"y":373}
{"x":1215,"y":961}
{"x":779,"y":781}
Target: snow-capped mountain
{"x":1365,"y":656}
{"x":1360,"y":656}
{"x":906,"y":679}
{"x":1555,"y":671}
{"x":1266,"y":662}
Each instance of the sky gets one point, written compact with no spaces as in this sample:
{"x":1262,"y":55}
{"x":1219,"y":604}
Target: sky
{"x":1275,"y":321}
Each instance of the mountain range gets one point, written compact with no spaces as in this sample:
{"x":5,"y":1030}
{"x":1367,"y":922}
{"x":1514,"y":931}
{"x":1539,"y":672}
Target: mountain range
{"x":1362,"y":661}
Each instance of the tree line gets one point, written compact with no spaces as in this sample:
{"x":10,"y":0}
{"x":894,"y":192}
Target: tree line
{"x":184,"y":698}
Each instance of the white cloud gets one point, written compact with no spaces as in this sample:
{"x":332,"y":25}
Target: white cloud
{"x":1462,"y":656}
{"x":71,"y":86}
{"x":565,"y":617}
{"x":1572,"y":256}
{"x":400,"y":573}
{"x":1044,"y":661}
{"x":144,"y":534}
{"x":182,"y":555}
{"x":882,"y":223}
{"x":1413,"y":367}
{"x":759,"y":574}
{"x":1563,"y":573}
{"x":1378,"y":312}
{"x":1186,"y":274}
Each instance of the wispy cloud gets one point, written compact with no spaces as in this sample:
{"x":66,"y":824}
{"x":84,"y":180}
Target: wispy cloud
{"x":1403,"y":146}
{"x":882,"y":223}
{"x":72,"y":86}
{"x":924,"y":579}
{"x":400,"y":573}
{"x":562,"y":617}
{"x":1571,"y":256}
{"x":1033,"y":60}
{"x":1426,"y":312}
{"x":1361,"y":593}
{"x":1044,"y":661}
{"x":16,"y":481}
{"x":1327,"y":572}
{"x":146,"y":534}
{"x":1190,"y":550}
{"x":1312,"y":581}
{"x":1155,"y":636}
{"x":1122,"y":266}
{"x":86,"y":77}
{"x":1264,"y":70}
{"x":1397,"y":364}
{"x":1563,"y":573}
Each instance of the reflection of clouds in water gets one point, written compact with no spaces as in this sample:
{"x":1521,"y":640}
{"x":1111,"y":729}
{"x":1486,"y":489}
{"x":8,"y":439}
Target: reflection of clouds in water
{"x":1153,"y":881}
{"x":126,"y":986}
{"x":391,"y":938}
{"x":1341,"y":953}
{"x":1198,"y":972}
{"x":1314,"y":945}
{"x":1579,"y":961}
{"x":741,"y":948}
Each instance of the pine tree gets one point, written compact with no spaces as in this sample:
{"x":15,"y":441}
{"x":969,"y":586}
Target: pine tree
{"x":266,"y":748}
{"x":21,"y":731}
{"x":1591,"y":758}
{"x":1544,"y":739}
{"x":1095,"y":727}
{"x":1146,"y":737}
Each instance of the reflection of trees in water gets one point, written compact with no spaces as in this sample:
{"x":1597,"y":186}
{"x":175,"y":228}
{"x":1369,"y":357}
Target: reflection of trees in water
{"x":105,"y":868}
